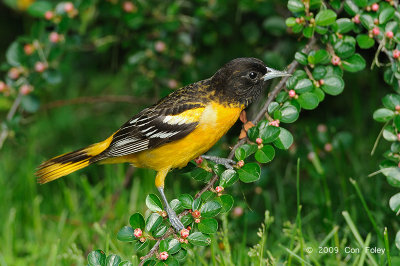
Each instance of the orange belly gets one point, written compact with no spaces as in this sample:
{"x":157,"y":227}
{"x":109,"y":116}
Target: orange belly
{"x":215,"y":121}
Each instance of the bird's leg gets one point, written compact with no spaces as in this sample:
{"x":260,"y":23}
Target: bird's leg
{"x":228,"y":163}
{"x":173,"y":218}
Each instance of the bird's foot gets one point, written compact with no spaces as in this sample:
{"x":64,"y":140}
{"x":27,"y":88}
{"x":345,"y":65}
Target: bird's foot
{"x":174,"y":220}
{"x":228,"y":163}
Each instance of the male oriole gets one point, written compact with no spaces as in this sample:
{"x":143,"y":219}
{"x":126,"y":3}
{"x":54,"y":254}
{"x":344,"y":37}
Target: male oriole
{"x":177,"y":129}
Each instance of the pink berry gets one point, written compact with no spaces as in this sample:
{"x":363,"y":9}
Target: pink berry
{"x":184,"y":233}
{"x":398,"y":136}
{"x":219,"y":189}
{"x":328,"y":147}
{"x":398,"y":165}
{"x":259,"y":141}
{"x":356,"y":19}
{"x":142,"y":239}
{"x":128,"y":7}
{"x":196,"y":214}
{"x":238,"y":211}
{"x":311,"y":156}
{"x":335,"y":60}
{"x":68,"y":7}
{"x":54,"y":37}
{"x":396,"y":53}
{"x":292,"y":93}
{"x":322,"y":128}
{"x":25,"y":89}
{"x":3,"y":86}
{"x":138,"y":232}
{"x":198,"y":160}
{"x":163,"y":255}
{"x":375,"y":31}
{"x":160,"y":46}
{"x":172,"y":83}
{"x":321,"y":82}
{"x":298,"y":20}
{"x":29,"y":49}
{"x":182,"y":240}
{"x":389,"y":34}
{"x":275,"y":123}
{"x":197,"y":220}
{"x":375,"y":7}
{"x":397,"y":108}
{"x":48,"y":15}
{"x":240,"y":163}
{"x":40,"y":67}
{"x":13,"y":73}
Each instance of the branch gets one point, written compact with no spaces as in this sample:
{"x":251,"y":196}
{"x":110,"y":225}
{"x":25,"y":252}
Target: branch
{"x":10,"y":115}
{"x":272,"y":95}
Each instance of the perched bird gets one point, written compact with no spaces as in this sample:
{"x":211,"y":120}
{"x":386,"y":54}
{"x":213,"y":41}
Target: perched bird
{"x":177,"y":129}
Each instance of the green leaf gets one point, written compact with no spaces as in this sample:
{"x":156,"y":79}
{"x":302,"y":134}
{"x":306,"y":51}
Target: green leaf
{"x":245,"y":151}
{"x":308,"y":100}
{"x":163,"y":245}
{"x":250,"y":172}
{"x":181,"y":255}
{"x":386,"y":13}
{"x":196,"y":204}
{"x":138,"y":246}
{"x":343,"y":25}
{"x":186,"y":201}
{"x":228,"y":178}
{"x":308,"y":31}
{"x":383,"y":115}
{"x":295,"y":6}
{"x":137,"y":221}
{"x":187,"y":219}
{"x":160,"y":230}
{"x":392,"y":175}
{"x":268,"y":133}
{"x":290,"y":22}
{"x":173,"y":246}
{"x":389,"y":134}
{"x":200,"y":174}
{"x":354,"y":64}
{"x":289,"y":114}
{"x":153,"y":221}
{"x":113,"y":260}
{"x":30,"y":103}
{"x":320,"y":94}
{"x":333,"y":85}
{"x":176,"y":205}
{"x":125,"y":263}
{"x":198,"y":239}
{"x":210,"y":209}
{"x":154,"y":203}
{"x":303,"y":85}
{"x":390,"y":101}
{"x":226,"y":202}
{"x":367,"y":21}
{"x":13,"y":54}
{"x":265,"y":154}
{"x":364,"y":41}
{"x":394,"y":202}
{"x":344,"y":49}
{"x":285,"y":140}
{"x":208,"y":226}
{"x":207,"y":195}
{"x":351,"y":8}
{"x":325,"y":17}
{"x":319,"y":72}
{"x":126,"y":234}
{"x":96,"y":258}
{"x":361,"y":3}
{"x":38,"y":8}
{"x":301,"y":58}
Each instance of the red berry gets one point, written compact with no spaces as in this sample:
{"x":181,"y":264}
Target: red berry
{"x":137,"y":232}
{"x":292,"y":93}
{"x":54,"y":37}
{"x":196,"y":214}
{"x":142,"y":239}
{"x":275,"y":123}
{"x":219,"y":189}
{"x":321,"y":82}
{"x":398,"y":136}
{"x":375,"y":31}
{"x":396,"y":53}
{"x":182,"y":240}
{"x":375,"y":7}
{"x":13,"y":73}
{"x":40,"y":67}
{"x":298,"y":20}
{"x":160,"y":46}
{"x":29,"y":49}
{"x":197,"y":220}
{"x":184,"y":233}
{"x":48,"y":15}
{"x":240,"y":163}
{"x":163,"y":255}
{"x":198,"y":160}
{"x":389,"y":34}
{"x":128,"y":7}
{"x":68,"y":7}
{"x":356,"y":19}
{"x":189,"y":228}
{"x":3,"y":86}
{"x":397,"y":108}
{"x":328,"y":147}
{"x":25,"y":89}
{"x":335,"y":60}
{"x":259,"y":141}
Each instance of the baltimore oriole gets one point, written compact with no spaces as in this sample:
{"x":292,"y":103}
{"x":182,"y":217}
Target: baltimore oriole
{"x":177,"y":129}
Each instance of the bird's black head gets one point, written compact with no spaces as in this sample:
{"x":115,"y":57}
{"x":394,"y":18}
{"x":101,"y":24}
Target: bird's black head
{"x":242,"y":79}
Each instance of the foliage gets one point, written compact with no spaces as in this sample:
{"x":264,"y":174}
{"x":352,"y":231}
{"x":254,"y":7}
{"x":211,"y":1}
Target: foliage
{"x":38,"y":64}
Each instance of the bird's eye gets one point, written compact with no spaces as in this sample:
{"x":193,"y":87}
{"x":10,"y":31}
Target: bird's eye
{"x":252,"y":75}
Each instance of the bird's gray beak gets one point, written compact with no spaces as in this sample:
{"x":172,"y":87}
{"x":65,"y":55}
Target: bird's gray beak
{"x":272,"y":73}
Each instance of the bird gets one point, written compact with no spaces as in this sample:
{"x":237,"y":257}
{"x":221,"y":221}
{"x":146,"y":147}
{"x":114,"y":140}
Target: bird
{"x":177,"y":129}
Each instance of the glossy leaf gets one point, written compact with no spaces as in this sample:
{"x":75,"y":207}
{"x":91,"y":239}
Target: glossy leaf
{"x":325,"y":17}
{"x":250,"y":172}
{"x":186,"y":201}
{"x":333,"y":85}
{"x":153,"y":221}
{"x":137,"y":221}
{"x":138,"y":245}
{"x":284,"y":140}
{"x":38,"y":8}
{"x":364,"y":41}
{"x":308,"y":100}
{"x":173,"y":246}
{"x":226,"y":202}
{"x":96,"y":258}
{"x":289,"y":114}
{"x":154,"y":203}
{"x":354,"y":64}
{"x":295,"y":6}
{"x":228,"y":178}
{"x":113,"y":260}
{"x":390,"y":101}
{"x":208,"y":226}
{"x":303,"y":85}
{"x":210,"y":209}
{"x":394,"y":202}
{"x":383,"y":115}
{"x":386,"y":13}
{"x":265,"y":154}
{"x":126,"y":234}
{"x":199,"y":239}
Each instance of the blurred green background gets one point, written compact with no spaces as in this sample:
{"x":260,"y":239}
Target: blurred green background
{"x":111,"y":64}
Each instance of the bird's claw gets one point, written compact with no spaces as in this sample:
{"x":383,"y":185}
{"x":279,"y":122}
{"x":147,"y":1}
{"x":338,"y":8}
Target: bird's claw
{"x":228,"y":163}
{"x":174,"y":220}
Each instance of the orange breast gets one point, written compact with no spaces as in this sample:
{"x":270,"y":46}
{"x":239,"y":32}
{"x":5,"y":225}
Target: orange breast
{"x":215,"y":121}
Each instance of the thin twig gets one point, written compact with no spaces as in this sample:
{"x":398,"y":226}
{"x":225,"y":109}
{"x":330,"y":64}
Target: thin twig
{"x":10,"y":115}
{"x":272,"y":95}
